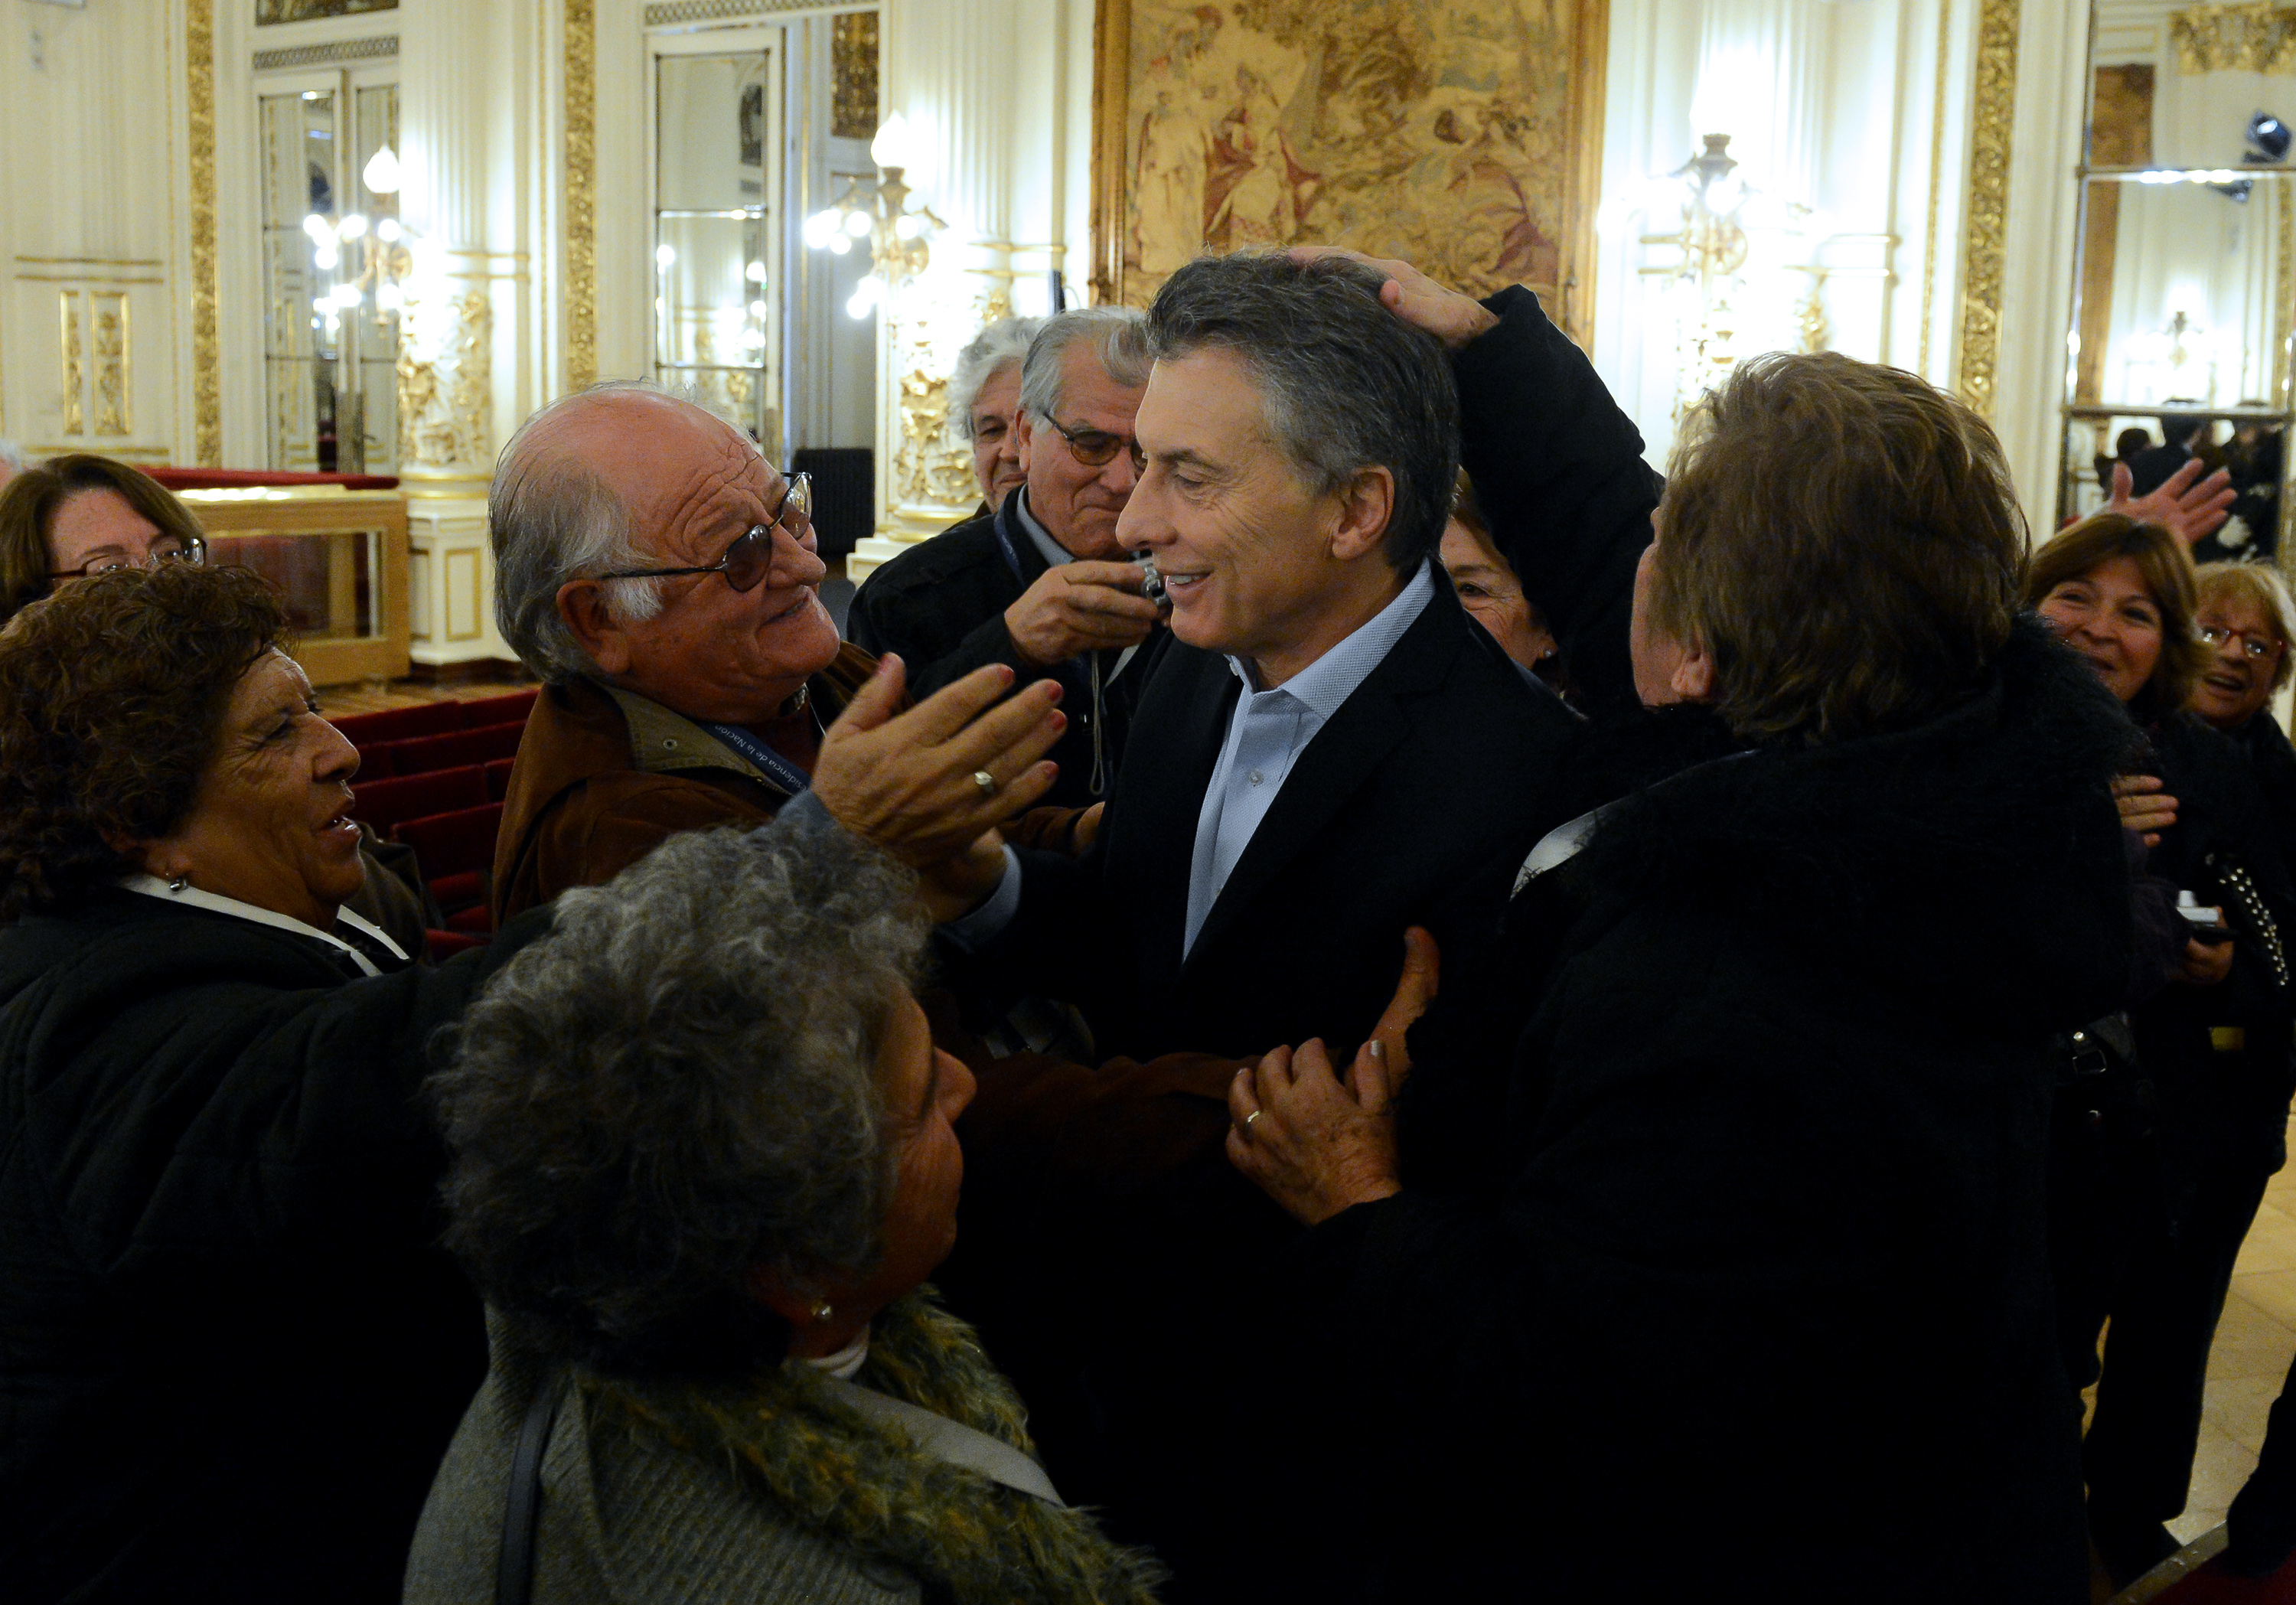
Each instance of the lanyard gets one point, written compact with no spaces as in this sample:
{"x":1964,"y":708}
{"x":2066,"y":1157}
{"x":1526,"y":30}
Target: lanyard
{"x":777,"y":769}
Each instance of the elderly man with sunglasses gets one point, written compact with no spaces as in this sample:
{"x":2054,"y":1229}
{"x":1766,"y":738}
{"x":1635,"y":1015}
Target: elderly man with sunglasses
{"x":662,"y":575}
{"x":1041,"y":584}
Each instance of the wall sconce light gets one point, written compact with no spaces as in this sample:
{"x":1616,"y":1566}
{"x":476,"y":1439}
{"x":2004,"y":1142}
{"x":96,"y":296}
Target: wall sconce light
{"x":364,"y":256}
{"x":899,"y":235}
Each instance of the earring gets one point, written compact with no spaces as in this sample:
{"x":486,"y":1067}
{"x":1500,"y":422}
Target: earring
{"x":822,"y":1312}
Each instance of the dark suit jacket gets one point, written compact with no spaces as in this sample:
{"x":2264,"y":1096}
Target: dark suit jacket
{"x":940,"y":605}
{"x":1407,"y":809}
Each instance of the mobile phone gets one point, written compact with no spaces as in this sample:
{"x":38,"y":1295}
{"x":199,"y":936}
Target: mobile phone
{"x":2205,"y":926}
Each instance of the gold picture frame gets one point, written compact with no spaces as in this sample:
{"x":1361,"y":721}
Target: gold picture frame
{"x":1463,"y":134}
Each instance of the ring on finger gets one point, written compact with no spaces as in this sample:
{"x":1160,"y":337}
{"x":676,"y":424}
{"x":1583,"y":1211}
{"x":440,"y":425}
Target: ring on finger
{"x":986,"y":781}
{"x":1254,"y":1116}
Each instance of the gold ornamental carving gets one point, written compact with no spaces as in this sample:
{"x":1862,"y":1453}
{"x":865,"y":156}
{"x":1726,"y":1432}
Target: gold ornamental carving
{"x":75,"y":363}
{"x":853,"y":61}
{"x":444,"y":400}
{"x":1984,"y":262}
{"x":108,"y":321}
{"x":581,"y":193}
{"x":2258,"y":37}
{"x":207,"y":341}
{"x":1937,"y":184}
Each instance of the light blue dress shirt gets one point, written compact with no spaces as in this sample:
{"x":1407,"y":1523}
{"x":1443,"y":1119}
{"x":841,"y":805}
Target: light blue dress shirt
{"x":1267,"y":732}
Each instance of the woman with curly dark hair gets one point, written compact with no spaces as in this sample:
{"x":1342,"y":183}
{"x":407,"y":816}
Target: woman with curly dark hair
{"x":230,"y":1351}
{"x":703,"y":1160}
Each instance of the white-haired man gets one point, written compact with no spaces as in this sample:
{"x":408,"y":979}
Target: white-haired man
{"x":660,"y":575}
{"x":1041,"y":584}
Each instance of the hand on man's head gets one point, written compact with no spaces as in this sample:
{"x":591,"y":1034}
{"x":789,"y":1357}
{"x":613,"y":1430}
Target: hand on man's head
{"x":910,"y":784}
{"x":1080,"y":607}
{"x":1450,"y":315}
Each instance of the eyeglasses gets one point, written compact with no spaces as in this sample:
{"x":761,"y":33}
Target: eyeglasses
{"x":1095,"y":448}
{"x":2256,"y":650}
{"x":751,"y":558}
{"x":169,"y":550}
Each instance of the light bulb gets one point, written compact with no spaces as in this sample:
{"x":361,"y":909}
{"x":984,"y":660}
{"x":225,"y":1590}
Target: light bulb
{"x":665,"y":257}
{"x":390,"y":297}
{"x":755,"y":272}
{"x":321,"y":231}
{"x":856,"y":223}
{"x":353,"y":227}
{"x":870,"y":286}
{"x":819,"y":227}
{"x":908,"y":226}
{"x":839,"y":243}
{"x":859,"y":306}
{"x":381,"y":175}
{"x":891,"y":148}
{"x":325,"y":258}
{"x":757,"y":310}
{"x":386,"y":230}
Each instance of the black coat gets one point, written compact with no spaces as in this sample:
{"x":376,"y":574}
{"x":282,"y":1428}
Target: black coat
{"x":940,"y":605}
{"x":230,"y":1353}
{"x":1410,"y":806}
{"x":1754,"y":1303}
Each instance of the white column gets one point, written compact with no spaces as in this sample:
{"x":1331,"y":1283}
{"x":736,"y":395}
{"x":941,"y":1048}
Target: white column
{"x":466,"y":106}
{"x":984,"y":88}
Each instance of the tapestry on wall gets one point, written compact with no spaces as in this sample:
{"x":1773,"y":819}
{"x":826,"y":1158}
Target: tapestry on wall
{"x":1459,"y":133}
{"x":304,"y":10}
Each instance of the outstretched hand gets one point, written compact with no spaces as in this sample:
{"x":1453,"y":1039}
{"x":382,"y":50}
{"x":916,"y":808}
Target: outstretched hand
{"x":1448,"y":314}
{"x":1318,"y":1144}
{"x":907,"y":781}
{"x":2188,"y":511}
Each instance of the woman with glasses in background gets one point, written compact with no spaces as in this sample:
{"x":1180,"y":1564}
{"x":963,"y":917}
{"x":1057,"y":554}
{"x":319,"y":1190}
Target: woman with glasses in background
{"x":81,"y":514}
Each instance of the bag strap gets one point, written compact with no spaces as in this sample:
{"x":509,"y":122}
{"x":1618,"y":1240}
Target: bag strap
{"x":515,"y":1565}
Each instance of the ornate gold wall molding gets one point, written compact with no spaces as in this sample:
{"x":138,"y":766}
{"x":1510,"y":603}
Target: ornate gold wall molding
{"x":444,"y":400}
{"x":2255,"y":38}
{"x":206,"y":342}
{"x":382,"y":47}
{"x":1993,"y":116}
{"x":1937,"y":180}
{"x":112,"y":382}
{"x":74,"y":376}
{"x":581,"y":193}
{"x":853,"y":65}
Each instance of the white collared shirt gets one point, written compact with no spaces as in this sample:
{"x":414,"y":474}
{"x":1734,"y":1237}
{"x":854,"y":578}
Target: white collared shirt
{"x":1269,"y":729}
{"x":151,"y":886}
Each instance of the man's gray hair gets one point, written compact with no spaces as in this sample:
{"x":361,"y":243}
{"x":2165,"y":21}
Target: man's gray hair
{"x":1003,"y":342}
{"x":678,"y":1084}
{"x":1120,"y":337}
{"x":551,"y":520}
{"x":1344,"y":384}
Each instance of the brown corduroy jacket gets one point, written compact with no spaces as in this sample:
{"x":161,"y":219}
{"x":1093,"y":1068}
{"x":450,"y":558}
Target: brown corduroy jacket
{"x":603,"y":776}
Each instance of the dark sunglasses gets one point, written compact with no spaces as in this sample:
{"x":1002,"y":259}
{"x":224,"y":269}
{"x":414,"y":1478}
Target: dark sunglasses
{"x":751,"y":558}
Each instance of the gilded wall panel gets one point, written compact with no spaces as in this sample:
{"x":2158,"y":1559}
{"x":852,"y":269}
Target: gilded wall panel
{"x":109,"y":381}
{"x":1460,"y":134}
{"x":305,"y":11}
{"x":74,"y":348}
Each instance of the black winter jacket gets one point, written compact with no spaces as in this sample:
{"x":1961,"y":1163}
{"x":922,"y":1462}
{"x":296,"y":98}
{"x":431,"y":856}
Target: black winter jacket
{"x":1746,"y":1295}
{"x":230,"y":1353}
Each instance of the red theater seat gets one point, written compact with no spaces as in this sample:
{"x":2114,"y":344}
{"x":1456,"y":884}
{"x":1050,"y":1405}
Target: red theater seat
{"x":450,"y":751}
{"x":511,"y":708}
{"x":456,"y":850}
{"x":498,"y":778}
{"x":384,"y":803}
{"x":401,"y":723}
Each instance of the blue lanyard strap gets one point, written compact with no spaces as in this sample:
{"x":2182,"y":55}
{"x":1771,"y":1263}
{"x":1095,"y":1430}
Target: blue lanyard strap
{"x":776,"y":768}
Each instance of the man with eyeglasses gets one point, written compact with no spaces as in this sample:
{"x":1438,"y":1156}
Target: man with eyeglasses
{"x":662,"y":575}
{"x":1041,"y":584}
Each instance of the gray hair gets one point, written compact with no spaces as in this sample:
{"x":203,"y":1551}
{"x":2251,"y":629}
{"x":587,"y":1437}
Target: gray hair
{"x":679,"y":1083}
{"x":1120,"y":337}
{"x":1344,"y":384}
{"x":1003,"y":342}
{"x":551,"y":520}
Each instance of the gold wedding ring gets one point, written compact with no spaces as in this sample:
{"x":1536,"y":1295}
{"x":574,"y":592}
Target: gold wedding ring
{"x":986,"y":781}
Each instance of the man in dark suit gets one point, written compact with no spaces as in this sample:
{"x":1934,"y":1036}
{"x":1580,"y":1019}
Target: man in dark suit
{"x":1039,"y":583}
{"x":1327,"y":751}
{"x":2150,"y":469}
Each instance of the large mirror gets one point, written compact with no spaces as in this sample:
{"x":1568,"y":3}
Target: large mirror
{"x":717,"y":207}
{"x":2186,"y":266}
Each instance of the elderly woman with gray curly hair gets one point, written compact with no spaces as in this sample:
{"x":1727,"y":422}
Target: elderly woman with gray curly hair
{"x":702,"y":1162}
